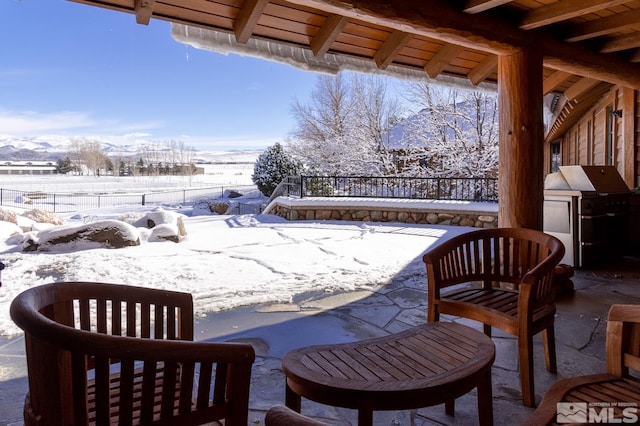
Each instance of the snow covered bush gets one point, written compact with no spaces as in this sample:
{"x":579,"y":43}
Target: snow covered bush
{"x":211,"y":205}
{"x":8,"y":216}
{"x":42,"y":216}
{"x":271,"y":167}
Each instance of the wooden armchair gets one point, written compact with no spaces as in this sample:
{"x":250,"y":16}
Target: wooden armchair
{"x":503,"y":278}
{"x":616,"y":387}
{"x":116,"y":354}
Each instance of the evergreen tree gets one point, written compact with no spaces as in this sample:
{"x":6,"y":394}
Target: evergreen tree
{"x":271,"y":167}
{"x":64,"y":165}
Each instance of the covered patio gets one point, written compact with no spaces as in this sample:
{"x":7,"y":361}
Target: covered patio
{"x":575,"y":49}
{"x":316,"y":318}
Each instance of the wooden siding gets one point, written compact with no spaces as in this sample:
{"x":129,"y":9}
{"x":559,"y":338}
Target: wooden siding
{"x":575,"y":149}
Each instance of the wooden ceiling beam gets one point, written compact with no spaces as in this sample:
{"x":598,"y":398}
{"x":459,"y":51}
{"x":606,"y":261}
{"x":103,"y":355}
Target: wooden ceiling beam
{"x":442,"y":59}
{"x":485,"y":32}
{"x":390,"y":48}
{"x":604,"y":26}
{"x":330,"y":30}
{"x":563,"y":10}
{"x":143,"y":10}
{"x":618,"y":44}
{"x":635,"y":56}
{"x":483,"y":70}
{"x":247,"y":19}
{"x":582,"y":86}
{"x":553,"y":81}
{"x":477,"y":6}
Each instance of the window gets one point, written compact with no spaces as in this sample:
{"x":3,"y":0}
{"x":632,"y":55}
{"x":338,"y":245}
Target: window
{"x":589,"y":142}
{"x":576,"y":147}
{"x":610,"y":142}
{"x":555,"y":156}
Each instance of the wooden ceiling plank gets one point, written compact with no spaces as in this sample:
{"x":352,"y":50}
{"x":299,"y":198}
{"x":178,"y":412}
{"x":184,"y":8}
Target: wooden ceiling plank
{"x":390,"y":48}
{"x":442,"y":20}
{"x":442,"y":58}
{"x":618,"y":44}
{"x":582,"y":86}
{"x":563,"y":10}
{"x":635,"y":56}
{"x":484,"y":32}
{"x":330,"y":30}
{"x":554,"y":80}
{"x":604,"y":26}
{"x":247,"y":19}
{"x":477,"y":6}
{"x":143,"y":10}
{"x":483,"y":70}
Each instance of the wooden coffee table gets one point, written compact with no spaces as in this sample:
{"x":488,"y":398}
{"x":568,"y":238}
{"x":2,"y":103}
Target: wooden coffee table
{"x":426,"y":365}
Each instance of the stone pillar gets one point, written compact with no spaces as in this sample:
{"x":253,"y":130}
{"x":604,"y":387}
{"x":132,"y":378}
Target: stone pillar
{"x":521,"y":175}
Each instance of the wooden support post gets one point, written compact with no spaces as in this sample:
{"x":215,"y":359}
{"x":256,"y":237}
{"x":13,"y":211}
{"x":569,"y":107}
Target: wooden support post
{"x":521,"y":174}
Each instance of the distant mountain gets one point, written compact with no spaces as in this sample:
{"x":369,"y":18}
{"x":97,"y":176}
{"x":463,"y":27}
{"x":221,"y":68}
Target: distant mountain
{"x":12,"y":153}
{"x":51,"y":148}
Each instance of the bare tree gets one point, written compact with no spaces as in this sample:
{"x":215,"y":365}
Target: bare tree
{"x":150,"y":155}
{"x":75,"y":149}
{"x":93,"y":157}
{"x":455,"y":134}
{"x":87,"y":155}
{"x":340,"y":130}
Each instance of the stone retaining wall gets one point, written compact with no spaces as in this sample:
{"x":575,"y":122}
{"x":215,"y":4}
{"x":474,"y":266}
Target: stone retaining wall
{"x":387,"y":214}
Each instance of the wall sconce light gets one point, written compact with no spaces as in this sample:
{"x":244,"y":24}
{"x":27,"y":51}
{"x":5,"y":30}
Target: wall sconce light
{"x":617,"y":113}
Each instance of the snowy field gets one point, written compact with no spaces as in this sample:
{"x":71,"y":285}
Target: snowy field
{"x":214,"y":175}
{"x":225,"y":261}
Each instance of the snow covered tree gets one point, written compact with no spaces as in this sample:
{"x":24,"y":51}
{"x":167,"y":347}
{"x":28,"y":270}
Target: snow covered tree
{"x":455,"y":134}
{"x":340,"y":130}
{"x":271,"y":167}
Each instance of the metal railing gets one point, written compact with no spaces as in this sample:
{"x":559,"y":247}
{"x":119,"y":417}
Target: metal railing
{"x":69,"y":202}
{"x":462,"y":189}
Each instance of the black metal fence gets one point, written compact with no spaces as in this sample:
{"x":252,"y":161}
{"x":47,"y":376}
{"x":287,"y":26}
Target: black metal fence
{"x":63,"y":203}
{"x":463,"y":189}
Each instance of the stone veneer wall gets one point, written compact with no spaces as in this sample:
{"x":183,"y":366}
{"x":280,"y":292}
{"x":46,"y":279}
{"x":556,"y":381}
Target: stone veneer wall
{"x":418,"y":215}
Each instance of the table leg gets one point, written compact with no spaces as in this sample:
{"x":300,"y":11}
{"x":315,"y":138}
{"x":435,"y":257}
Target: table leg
{"x":485,"y":400}
{"x":292,"y":399}
{"x":450,"y":407}
{"x":365,"y":413}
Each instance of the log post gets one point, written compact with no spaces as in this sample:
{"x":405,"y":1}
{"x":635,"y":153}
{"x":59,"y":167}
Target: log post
{"x":521,"y":175}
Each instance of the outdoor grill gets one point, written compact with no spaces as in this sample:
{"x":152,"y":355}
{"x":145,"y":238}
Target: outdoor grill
{"x":587,"y":208}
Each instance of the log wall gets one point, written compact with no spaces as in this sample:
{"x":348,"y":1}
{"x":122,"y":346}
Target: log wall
{"x":577,"y":148}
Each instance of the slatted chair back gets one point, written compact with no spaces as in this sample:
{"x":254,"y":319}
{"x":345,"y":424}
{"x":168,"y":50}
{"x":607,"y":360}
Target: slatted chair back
{"x":114,"y":354}
{"x":623,"y":340}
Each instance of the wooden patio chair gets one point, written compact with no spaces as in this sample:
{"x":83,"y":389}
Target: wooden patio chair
{"x":115,"y":354}
{"x":503,"y":278}
{"x":617,"y":387}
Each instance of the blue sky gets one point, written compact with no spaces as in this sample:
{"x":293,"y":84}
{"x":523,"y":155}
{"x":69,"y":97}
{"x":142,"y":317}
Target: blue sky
{"x":75,"y":70}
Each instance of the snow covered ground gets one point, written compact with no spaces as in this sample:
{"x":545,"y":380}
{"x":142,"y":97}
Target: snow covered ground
{"x":227,"y":261}
{"x":214,"y":175}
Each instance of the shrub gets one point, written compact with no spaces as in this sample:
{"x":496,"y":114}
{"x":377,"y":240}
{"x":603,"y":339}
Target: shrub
{"x":8,"y":216}
{"x":42,"y":216}
{"x":271,"y":167}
